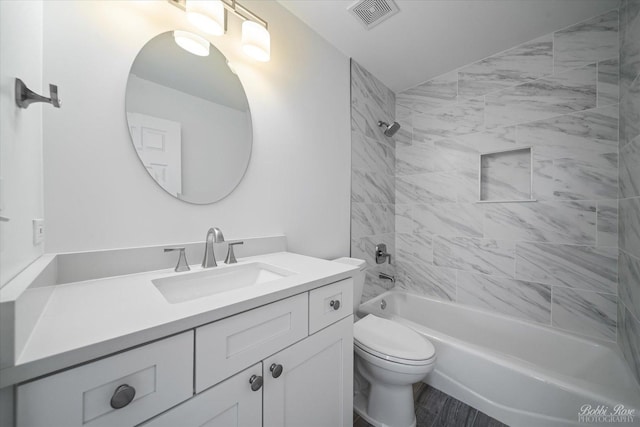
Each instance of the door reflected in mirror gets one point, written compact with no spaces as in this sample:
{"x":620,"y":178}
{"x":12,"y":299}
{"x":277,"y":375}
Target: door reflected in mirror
{"x":189,"y":120}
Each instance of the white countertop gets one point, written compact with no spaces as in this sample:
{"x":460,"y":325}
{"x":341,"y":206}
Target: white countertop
{"x":87,"y":320}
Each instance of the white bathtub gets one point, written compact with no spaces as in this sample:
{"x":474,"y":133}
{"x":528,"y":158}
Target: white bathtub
{"x":519,"y":373}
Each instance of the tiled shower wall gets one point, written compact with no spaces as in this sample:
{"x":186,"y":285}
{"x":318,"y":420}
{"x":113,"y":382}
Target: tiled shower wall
{"x":372,"y":176}
{"x":629,"y":186}
{"x":552,"y":261}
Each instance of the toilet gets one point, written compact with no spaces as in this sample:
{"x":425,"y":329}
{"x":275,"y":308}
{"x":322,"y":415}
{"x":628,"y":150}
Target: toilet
{"x":391,"y":357}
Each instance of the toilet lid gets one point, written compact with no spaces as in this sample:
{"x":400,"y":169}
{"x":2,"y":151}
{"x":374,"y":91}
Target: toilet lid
{"x":391,"y":339}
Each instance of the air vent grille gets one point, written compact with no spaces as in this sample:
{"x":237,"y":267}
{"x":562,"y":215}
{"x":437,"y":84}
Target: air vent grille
{"x":372,"y":12}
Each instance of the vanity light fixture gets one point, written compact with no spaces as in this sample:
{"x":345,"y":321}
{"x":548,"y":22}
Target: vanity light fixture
{"x":256,"y":41}
{"x":210,"y":17}
{"x":192,"y":43}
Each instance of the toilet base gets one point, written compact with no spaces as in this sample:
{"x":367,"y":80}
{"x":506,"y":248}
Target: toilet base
{"x":388,"y":399}
{"x":360,"y":407}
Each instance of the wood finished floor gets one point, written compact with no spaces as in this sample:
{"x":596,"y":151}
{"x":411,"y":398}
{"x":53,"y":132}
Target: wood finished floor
{"x":437,"y":409}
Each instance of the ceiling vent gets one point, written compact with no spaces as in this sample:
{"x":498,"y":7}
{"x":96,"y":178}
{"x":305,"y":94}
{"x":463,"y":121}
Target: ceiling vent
{"x":372,"y":12}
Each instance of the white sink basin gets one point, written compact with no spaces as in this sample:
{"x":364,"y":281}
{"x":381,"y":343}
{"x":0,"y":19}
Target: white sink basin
{"x":217,"y":280}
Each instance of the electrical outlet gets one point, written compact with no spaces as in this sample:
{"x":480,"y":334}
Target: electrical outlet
{"x":38,"y":231}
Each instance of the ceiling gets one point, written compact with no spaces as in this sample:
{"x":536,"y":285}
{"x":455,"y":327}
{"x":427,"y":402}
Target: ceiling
{"x":430,"y":37}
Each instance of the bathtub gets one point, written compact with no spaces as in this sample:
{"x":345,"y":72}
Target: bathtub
{"x":519,"y":373}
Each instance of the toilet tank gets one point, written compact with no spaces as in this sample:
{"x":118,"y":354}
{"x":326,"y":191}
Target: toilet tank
{"x":358,"y":278}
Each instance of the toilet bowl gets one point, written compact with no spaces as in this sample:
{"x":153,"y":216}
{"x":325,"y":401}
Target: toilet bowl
{"x":391,"y":358}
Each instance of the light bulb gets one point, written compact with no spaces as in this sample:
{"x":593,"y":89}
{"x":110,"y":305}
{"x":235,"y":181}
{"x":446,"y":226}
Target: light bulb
{"x":191,"y":43}
{"x":256,"y":41}
{"x":207,"y":16}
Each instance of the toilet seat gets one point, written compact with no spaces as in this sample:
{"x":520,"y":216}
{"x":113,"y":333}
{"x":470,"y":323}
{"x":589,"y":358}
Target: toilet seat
{"x":392,"y":359}
{"x":392,"y":341}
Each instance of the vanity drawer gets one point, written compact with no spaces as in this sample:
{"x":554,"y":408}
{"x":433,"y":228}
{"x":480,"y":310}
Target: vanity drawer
{"x":329,"y":304}
{"x":161,"y":374}
{"x":237,"y":342}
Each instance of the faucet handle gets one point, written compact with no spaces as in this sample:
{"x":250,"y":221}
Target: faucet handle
{"x":381,"y":254}
{"x":231,"y":257}
{"x":182,"y":265}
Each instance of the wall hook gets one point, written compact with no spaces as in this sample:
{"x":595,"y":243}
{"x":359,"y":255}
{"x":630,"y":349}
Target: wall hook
{"x":25,"y":96}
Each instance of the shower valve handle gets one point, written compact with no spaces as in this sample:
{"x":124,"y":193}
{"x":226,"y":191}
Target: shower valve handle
{"x":381,"y":254}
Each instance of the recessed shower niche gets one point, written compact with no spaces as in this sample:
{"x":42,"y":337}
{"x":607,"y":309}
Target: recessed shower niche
{"x":506,"y":176}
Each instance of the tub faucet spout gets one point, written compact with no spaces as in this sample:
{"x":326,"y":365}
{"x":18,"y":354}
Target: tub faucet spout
{"x":388,"y":277}
{"x":214,"y":235}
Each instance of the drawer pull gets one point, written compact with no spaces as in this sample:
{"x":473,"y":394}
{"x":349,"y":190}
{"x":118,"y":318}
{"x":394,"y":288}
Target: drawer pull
{"x":123,"y":395}
{"x":335,"y":304}
{"x":256,"y":382}
{"x":276,"y":370}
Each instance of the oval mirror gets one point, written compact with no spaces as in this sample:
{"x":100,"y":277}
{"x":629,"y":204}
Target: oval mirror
{"x":189,"y":120}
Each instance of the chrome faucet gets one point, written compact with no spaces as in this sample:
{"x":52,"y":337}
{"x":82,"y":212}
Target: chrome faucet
{"x":214,"y":235}
{"x":388,"y":277}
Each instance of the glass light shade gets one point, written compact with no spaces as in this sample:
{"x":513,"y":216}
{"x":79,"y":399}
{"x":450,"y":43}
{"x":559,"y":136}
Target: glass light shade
{"x":191,"y":43}
{"x":256,"y":41}
{"x":207,"y":16}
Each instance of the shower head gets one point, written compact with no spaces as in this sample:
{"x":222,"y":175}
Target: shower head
{"x":391,"y":129}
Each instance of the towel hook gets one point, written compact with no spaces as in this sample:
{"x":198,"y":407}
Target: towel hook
{"x":25,"y":96}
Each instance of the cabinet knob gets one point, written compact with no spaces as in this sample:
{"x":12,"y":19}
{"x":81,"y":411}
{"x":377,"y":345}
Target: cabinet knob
{"x":276,"y":370}
{"x":335,"y":304}
{"x":123,"y":395}
{"x":256,"y":382}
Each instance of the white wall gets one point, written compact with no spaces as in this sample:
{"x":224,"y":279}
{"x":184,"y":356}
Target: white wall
{"x":98,"y":196}
{"x":215,"y":138}
{"x":20,"y":135}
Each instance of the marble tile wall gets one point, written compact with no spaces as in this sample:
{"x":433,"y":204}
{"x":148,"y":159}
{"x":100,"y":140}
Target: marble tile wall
{"x":373,"y":175}
{"x":628,"y":310}
{"x":553,"y":261}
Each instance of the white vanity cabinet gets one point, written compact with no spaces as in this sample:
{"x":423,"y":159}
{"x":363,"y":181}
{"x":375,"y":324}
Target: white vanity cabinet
{"x":311,"y":383}
{"x":284,"y":364}
{"x":307,"y":384}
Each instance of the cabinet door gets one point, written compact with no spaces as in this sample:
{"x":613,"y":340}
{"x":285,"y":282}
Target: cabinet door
{"x":315,"y":386}
{"x":232,"y":403}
